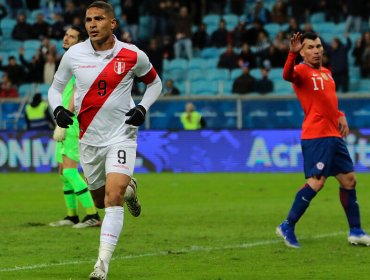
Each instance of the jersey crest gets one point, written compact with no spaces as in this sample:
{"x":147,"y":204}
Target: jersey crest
{"x":119,"y":66}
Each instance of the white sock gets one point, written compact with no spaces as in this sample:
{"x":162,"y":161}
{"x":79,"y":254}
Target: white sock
{"x":109,"y":234}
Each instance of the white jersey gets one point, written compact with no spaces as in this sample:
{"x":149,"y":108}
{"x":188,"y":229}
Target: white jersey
{"x":103,"y":89}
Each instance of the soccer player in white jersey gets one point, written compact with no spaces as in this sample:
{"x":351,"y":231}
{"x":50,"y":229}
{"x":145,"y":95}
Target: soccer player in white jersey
{"x":104,"y":69}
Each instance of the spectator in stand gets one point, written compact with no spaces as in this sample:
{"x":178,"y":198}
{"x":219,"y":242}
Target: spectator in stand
{"x":247,"y":55}
{"x":229,"y":59}
{"x":7,"y":89}
{"x":155,"y":54}
{"x":237,"y":7}
{"x":15,"y":71}
{"x":15,"y":7}
{"x":38,"y":116}
{"x":22,"y":30}
{"x":40,"y":29}
{"x":182,"y":25}
{"x":274,"y":57}
{"x":282,"y":43}
{"x":307,"y":27}
{"x":300,"y":9}
{"x":279,"y":12}
{"x":50,"y":68}
{"x":338,"y":55}
{"x":259,"y":12}
{"x":215,"y":6}
{"x":238,"y":34}
{"x":293,"y":27}
{"x":167,"y":46}
{"x":130,"y":11}
{"x":169,"y":89}
{"x":264,"y":85}
{"x":34,"y":68}
{"x":245,"y":83}
{"x":200,"y":39}
{"x":219,"y":37}
{"x":251,"y":34}
{"x":3,"y":14}
{"x":366,"y":62}
{"x":70,"y":11}
{"x":262,"y":46}
{"x":354,"y":16}
{"x":57,"y":29}
{"x":361,"y":52}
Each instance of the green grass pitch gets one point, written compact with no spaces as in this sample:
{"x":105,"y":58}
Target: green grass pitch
{"x":193,"y":227}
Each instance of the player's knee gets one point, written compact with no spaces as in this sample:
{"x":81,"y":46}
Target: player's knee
{"x":115,"y":197}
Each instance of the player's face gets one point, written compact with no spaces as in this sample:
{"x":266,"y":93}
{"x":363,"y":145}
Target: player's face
{"x":70,"y":38}
{"x":312,"y":52}
{"x":99,"y":25}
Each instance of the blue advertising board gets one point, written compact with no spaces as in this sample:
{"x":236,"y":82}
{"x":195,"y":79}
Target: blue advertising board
{"x":188,"y":151}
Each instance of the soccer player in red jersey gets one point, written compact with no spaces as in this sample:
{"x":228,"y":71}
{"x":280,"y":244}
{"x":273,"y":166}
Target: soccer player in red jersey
{"x":324,"y":151}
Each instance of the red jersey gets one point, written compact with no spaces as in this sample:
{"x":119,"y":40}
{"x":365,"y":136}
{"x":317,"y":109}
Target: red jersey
{"x":315,"y":89}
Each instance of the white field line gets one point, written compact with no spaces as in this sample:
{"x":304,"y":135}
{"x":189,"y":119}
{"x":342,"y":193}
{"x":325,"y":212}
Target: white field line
{"x":169,"y":252}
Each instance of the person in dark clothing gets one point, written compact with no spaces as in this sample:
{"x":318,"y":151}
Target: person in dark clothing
{"x":219,"y":37}
{"x":155,"y":54}
{"x":40,"y":28}
{"x":337,"y":52}
{"x":57,"y":29}
{"x":169,"y":89}
{"x":3,"y":14}
{"x":34,"y":68}
{"x":200,"y":38}
{"x":38,"y":116}
{"x":247,"y":55}
{"x":15,"y":71}
{"x":245,"y":83}
{"x":229,"y":59}
{"x":264,"y":85}
{"x":182,"y":25}
{"x":22,"y":29}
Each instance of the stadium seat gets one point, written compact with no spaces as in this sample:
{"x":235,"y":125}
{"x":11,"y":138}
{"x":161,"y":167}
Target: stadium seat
{"x":211,"y":19}
{"x":256,"y":72}
{"x":324,"y":27}
{"x":178,"y":64}
{"x":282,"y":87}
{"x":43,"y":89}
{"x":32,"y":44}
{"x":226,"y":87}
{"x":276,"y":74}
{"x":231,"y":21}
{"x":317,"y":17}
{"x":211,"y":52}
{"x":195,"y":75}
{"x":27,"y":90}
{"x":273,"y":29}
{"x":363,"y":86}
{"x":212,"y":62}
{"x":235,"y":73}
{"x":217,"y":74}
{"x":166,"y":64}
{"x":203,"y":88}
{"x":197,"y":64}
{"x":144,"y":27}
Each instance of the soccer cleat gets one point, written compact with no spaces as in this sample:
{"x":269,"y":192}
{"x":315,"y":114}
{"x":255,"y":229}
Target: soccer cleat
{"x":131,"y":199}
{"x":89,"y":221}
{"x":99,"y":272}
{"x":358,"y":237}
{"x":286,"y":231}
{"x":67,"y":221}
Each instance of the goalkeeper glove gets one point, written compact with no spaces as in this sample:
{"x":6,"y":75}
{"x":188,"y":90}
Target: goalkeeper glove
{"x":136,"y":116}
{"x":59,"y":134}
{"x":63,"y":117}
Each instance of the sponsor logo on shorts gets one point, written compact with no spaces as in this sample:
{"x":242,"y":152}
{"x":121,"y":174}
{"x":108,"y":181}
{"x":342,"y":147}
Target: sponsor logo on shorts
{"x":120,"y":166}
{"x":320,"y":165}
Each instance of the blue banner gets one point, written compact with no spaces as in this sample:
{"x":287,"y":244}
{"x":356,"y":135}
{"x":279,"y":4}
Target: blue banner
{"x":188,"y":151}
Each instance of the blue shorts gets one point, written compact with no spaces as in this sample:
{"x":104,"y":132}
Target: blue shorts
{"x":325,"y":157}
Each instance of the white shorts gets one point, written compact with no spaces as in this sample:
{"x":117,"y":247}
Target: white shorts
{"x":97,"y":162}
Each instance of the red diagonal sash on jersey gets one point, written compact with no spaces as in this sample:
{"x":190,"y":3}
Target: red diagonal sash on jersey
{"x":109,"y":78}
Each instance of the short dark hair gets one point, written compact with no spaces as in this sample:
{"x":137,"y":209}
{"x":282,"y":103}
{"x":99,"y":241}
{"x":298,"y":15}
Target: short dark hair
{"x":309,"y":35}
{"x":108,"y":8}
{"x":82,"y":35}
